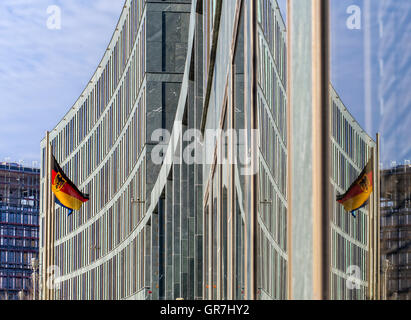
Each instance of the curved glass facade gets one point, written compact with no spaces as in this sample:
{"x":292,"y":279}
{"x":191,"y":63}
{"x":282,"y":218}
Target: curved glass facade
{"x":19,"y":229}
{"x":102,"y":251}
{"x":161,"y":225}
{"x":273,"y":154}
{"x":351,"y":149}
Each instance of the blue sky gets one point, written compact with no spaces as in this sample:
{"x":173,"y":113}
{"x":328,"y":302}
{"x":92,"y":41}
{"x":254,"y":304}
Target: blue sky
{"x":282,"y":4}
{"x":371,"y":71}
{"x":42,"y":71}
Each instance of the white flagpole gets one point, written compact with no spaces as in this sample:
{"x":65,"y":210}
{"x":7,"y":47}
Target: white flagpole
{"x":51,"y":219}
{"x":378,"y":217}
{"x":45,"y":227}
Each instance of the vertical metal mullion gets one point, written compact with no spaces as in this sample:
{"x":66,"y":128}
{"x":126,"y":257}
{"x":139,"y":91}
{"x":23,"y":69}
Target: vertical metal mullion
{"x":321,"y":143}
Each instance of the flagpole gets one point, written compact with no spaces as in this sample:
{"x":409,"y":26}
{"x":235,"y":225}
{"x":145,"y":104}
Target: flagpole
{"x":45,"y":226}
{"x":375,"y":225}
{"x":370,"y":237}
{"x":48,"y":216}
{"x":375,"y":221}
{"x":378,"y":195}
{"x":321,"y":144}
{"x":373,"y":253}
{"x":52,"y":229}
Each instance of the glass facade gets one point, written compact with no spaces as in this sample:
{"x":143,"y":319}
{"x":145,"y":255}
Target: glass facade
{"x":104,"y":251}
{"x":228,"y":187}
{"x":204,"y":215}
{"x":351,"y":150}
{"x":19,"y":228}
{"x":395,"y":232}
{"x":224,"y":188}
{"x":272,"y":119}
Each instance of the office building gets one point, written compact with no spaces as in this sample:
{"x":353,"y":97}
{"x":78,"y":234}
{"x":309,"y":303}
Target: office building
{"x":332,"y":254}
{"x":19,"y":228}
{"x":104,"y":251}
{"x":351,"y":150}
{"x":395,"y":232}
{"x":194,"y":155}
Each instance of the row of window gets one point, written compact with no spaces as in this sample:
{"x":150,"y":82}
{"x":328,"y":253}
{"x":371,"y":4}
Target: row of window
{"x":272,"y":26}
{"x":112,"y":125}
{"x":106,"y":134}
{"x":112,"y":175}
{"x":396,"y":239}
{"x":18,"y":216}
{"x":347,"y":137}
{"x":401,"y":261}
{"x":12,"y":231}
{"x":345,"y":254}
{"x":273,"y":211}
{"x":109,"y":128}
{"x":347,"y":144}
{"x":24,"y":207}
{"x":340,"y":290}
{"x":272,"y":117}
{"x":106,"y":233}
{"x":95,"y":103}
{"x":343,"y":172}
{"x":15,"y":282}
{"x":120,"y":158}
{"x":21,"y":243}
{"x":19,"y":219}
{"x":399,"y":221}
{"x":120,"y":277}
{"x":272,"y":149}
{"x":272,"y":270}
{"x":272,"y":89}
{"x":356,"y":228}
{"x":23,"y":180}
{"x":19,"y":259}
{"x":30,"y":218}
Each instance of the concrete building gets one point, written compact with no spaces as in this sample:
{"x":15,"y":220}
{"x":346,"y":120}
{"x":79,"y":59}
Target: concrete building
{"x":19,"y":228}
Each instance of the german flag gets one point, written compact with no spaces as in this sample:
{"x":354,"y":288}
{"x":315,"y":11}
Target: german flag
{"x":358,"y":194}
{"x":66,"y":193}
